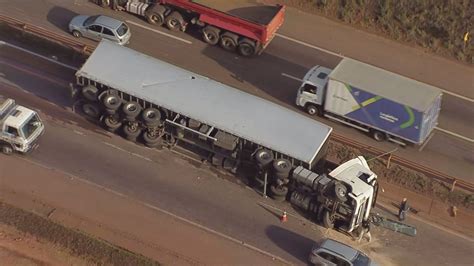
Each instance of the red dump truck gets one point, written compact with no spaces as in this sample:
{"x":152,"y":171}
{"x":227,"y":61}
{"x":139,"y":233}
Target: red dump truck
{"x":234,"y":31}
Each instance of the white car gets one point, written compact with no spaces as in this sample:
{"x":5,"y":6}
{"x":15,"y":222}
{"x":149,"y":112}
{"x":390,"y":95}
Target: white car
{"x":333,"y":253}
{"x":98,"y":27}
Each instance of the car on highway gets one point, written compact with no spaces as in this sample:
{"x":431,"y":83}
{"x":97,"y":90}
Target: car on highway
{"x":329,"y":252}
{"x":99,"y":27}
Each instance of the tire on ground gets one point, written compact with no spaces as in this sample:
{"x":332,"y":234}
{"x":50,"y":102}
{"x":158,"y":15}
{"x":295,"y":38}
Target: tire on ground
{"x":174,"y":21}
{"x":90,"y":93}
{"x":131,"y":132}
{"x":378,"y":135}
{"x":112,"y":122}
{"x":131,"y":110}
{"x":263,"y":157}
{"x":246,"y":47}
{"x":151,"y":141}
{"x":229,"y":41}
{"x":278,"y":193}
{"x":312,"y":109}
{"x":91,"y":110}
{"x":151,"y":117}
{"x":210,"y":35}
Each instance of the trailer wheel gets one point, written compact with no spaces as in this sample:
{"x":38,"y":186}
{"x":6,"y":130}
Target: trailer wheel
{"x":340,"y":190}
{"x":151,"y":140}
{"x":151,"y":117}
{"x":131,"y":132}
{"x":91,"y":109}
{"x":7,"y":149}
{"x":90,"y":92}
{"x":312,"y":109}
{"x":246,"y":47}
{"x":174,"y":21}
{"x":229,"y":41}
{"x":112,"y":102}
{"x":379,"y":135}
{"x":76,"y":34}
{"x":131,"y":110}
{"x":282,"y":168}
{"x":328,"y":221}
{"x":210,"y":35}
{"x":278,"y":193}
{"x":112,"y":123}
{"x":263,"y":157}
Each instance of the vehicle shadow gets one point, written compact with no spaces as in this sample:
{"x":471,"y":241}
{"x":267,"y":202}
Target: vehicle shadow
{"x":292,"y":243}
{"x":60,"y":17}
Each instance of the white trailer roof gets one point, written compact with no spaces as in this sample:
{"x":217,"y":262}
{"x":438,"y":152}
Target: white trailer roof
{"x":389,"y":85}
{"x":216,"y":104}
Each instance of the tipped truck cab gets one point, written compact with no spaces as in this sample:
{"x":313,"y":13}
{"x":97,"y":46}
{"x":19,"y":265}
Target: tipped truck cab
{"x":20,"y":127}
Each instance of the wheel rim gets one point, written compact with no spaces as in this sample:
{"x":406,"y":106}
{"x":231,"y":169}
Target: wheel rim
{"x":246,"y":49}
{"x":282,"y":164}
{"x":228,"y":43}
{"x":173,"y":23}
{"x":76,"y":34}
{"x":311,"y":110}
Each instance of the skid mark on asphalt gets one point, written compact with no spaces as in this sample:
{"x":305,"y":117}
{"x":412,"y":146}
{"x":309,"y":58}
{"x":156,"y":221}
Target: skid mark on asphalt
{"x":159,"y":32}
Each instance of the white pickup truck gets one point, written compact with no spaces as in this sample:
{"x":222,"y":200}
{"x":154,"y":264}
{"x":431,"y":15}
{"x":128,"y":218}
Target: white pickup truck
{"x":20,"y":127}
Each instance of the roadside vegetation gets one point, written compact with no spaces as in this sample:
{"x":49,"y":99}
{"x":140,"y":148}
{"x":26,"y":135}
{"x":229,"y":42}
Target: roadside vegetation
{"x":437,"y":25}
{"x":404,"y":177}
{"x":95,"y":251}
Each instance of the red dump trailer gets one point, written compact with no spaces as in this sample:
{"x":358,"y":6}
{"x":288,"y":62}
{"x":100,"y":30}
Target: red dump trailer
{"x":232,"y":31}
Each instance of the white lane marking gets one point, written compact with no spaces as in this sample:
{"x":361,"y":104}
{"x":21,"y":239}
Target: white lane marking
{"x":131,"y":153}
{"x":309,"y":45}
{"x":184,"y":220}
{"x":159,"y":32}
{"x":342,"y":56}
{"x":79,"y":132}
{"x":291,"y":77}
{"x":38,"y":55}
{"x":455,"y":134}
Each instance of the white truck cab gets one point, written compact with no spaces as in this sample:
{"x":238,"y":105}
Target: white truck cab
{"x":310,"y":94}
{"x":20,"y":127}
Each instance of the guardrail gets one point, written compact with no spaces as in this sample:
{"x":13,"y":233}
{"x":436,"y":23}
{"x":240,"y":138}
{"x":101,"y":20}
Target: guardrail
{"x":65,"y":40}
{"x":442,"y":177}
{"x":87,"y":49}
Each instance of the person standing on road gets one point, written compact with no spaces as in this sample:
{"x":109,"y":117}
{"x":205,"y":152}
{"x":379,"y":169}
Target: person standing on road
{"x":403,"y":209}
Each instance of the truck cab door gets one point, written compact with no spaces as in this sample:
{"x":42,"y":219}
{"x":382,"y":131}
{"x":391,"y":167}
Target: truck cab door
{"x":13,"y":135}
{"x":308,"y":93}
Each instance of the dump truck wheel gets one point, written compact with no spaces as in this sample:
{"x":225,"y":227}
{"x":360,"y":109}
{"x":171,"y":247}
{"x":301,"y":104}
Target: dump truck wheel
{"x":174,"y":21}
{"x":229,"y":41}
{"x":210,"y":35}
{"x":156,"y":16}
{"x":246,"y":47}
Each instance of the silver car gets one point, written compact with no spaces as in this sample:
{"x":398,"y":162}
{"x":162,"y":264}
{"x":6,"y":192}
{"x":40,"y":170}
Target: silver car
{"x":333,"y":253}
{"x":98,"y":27}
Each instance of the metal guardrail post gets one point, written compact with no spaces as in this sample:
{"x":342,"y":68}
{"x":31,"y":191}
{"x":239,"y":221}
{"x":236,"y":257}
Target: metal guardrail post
{"x":453,"y":185}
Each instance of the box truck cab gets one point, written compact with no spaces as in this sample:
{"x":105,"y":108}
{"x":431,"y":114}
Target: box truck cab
{"x":310,"y":94}
{"x":20,"y":127}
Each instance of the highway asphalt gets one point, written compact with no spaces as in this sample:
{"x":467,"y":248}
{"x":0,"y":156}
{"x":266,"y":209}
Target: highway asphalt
{"x":272,"y":75}
{"x":160,"y":178}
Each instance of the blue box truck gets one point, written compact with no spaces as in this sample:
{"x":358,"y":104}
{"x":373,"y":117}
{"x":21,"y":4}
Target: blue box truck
{"x":384,"y":104}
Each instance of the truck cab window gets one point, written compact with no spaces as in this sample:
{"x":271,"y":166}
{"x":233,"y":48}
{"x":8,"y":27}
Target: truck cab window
{"x":12,"y":131}
{"x":309,"y":88}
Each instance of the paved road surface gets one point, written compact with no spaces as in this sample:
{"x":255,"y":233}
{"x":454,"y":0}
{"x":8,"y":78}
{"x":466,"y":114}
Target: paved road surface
{"x":263,"y":75}
{"x":76,"y":146}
